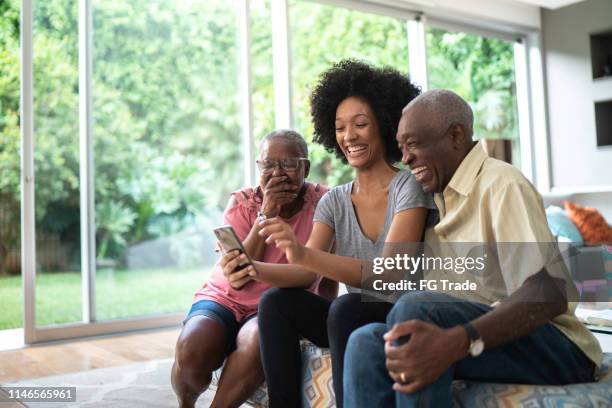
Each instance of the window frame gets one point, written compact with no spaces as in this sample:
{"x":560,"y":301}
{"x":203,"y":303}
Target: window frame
{"x":89,"y":326}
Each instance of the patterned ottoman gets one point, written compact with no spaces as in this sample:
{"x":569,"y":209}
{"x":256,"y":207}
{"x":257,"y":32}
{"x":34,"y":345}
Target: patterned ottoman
{"x":317,"y":387}
{"x":319,"y":393}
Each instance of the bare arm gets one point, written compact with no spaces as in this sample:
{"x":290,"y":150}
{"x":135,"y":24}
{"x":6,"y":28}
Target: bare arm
{"x":407,"y":226}
{"x":290,"y":275}
{"x":284,"y":275}
{"x":540,"y":299}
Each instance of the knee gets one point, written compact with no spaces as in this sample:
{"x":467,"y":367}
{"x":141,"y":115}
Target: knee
{"x":187,"y":353}
{"x":366,"y":341}
{"x":198,"y":350}
{"x":366,"y":337}
{"x":418,"y":305}
{"x":276,"y":310}
{"x":247,"y":340}
{"x":342,"y":310}
{"x":273,"y":301}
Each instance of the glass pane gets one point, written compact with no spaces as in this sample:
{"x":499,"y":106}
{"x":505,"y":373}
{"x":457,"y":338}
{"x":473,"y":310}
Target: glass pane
{"x":339,"y":33}
{"x":56,"y":161}
{"x":261,"y":69}
{"x":481,"y":70}
{"x":167,"y":142}
{"x":11,"y":300}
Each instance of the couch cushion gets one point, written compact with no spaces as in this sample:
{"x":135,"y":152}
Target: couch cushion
{"x":490,"y":395}
{"x":561,"y":226}
{"x":591,"y":224}
{"x":318,"y":390}
{"x":317,"y":377}
{"x":317,"y":386}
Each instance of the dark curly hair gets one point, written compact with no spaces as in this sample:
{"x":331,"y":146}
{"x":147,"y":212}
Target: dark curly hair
{"x":384,"y":89}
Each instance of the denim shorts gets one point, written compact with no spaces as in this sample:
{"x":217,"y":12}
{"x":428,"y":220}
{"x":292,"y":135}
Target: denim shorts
{"x":221,"y":314}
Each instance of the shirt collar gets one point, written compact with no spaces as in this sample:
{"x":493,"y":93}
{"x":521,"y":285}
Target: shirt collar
{"x":465,"y":175}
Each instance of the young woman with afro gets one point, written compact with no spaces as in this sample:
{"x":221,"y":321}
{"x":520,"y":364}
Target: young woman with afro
{"x":356,"y":109}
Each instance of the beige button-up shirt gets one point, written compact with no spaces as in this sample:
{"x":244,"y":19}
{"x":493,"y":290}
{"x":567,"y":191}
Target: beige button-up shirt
{"x":489,"y":201}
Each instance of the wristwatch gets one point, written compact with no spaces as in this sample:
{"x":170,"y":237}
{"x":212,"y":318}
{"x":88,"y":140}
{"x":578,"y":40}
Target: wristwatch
{"x":477,"y":345}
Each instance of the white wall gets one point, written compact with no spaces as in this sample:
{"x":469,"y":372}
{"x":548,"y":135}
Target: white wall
{"x":577,"y":164}
{"x":498,"y":12}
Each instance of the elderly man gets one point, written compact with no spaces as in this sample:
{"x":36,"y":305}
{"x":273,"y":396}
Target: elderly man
{"x":432,"y":338}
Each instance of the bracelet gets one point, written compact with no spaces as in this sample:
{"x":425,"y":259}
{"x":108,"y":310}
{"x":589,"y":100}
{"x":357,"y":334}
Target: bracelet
{"x":261,"y":217}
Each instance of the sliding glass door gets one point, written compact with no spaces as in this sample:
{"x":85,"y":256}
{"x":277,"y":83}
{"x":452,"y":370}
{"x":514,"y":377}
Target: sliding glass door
{"x":136,"y":144}
{"x":11,"y":298}
{"x":167,"y":147}
{"x":481,"y":70}
{"x":56,"y":163}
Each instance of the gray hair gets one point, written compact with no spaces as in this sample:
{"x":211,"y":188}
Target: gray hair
{"x":445,"y":108}
{"x":290,"y":136}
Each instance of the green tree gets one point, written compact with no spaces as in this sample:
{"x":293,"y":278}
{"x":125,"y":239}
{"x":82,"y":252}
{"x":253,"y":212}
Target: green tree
{"x":322,"y":35}
{"x":481,"y":70}
{"x":9,"y":133}
{"x":166,"y":108}
{"x":166,"y":116}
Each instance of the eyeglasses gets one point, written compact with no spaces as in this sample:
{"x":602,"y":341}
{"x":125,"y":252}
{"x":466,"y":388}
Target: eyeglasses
{"x":289,"y":164}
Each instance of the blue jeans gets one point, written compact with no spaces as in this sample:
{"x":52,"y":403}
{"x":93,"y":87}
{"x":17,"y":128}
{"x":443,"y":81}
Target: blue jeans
{"x":545,"y":356}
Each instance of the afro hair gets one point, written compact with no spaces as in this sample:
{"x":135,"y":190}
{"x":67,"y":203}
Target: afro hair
{"x":385,"y":89}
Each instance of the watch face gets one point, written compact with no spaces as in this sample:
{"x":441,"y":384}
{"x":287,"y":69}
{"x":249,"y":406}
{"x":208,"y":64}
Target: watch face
{"x":476,"y":347}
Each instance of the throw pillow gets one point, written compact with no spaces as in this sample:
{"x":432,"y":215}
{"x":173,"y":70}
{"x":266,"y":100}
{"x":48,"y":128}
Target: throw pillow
{"x":561,"y":226}
{"x":591,"y":224}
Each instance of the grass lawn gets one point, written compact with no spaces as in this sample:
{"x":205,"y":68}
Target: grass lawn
{"x":11,"y":302}
{"x":119,"y":294}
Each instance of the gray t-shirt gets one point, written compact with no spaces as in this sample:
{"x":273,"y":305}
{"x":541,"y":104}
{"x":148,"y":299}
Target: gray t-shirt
{"x":336,"y":210}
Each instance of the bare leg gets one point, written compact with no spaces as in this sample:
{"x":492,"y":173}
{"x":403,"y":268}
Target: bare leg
{"x":200,"y":350}
{"x":243,"y":372}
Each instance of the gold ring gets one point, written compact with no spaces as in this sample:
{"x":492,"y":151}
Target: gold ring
{"x":403,"y":377}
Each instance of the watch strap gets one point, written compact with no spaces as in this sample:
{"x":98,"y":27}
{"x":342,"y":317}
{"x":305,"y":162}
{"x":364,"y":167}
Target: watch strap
{"x":471,"y":331}
{"x":476,"y":345}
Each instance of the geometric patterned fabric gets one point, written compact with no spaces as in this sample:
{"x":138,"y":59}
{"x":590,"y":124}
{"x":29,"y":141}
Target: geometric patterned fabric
{"x":318,"y":389}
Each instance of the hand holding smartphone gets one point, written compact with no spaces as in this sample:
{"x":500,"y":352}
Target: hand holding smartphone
{"x":229,"y":242}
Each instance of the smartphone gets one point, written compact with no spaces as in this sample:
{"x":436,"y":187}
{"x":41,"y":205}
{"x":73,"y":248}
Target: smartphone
{"x":229,"y":242}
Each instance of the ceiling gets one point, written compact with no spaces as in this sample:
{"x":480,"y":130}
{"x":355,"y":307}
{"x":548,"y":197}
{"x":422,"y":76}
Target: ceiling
{"x":550,"y":4}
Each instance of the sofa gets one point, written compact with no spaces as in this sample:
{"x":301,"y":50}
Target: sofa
{"x":589,"y":265}
{"x":318,"y":390}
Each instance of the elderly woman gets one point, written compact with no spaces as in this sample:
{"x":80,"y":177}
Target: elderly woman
{"x":356,"y":109}
{"x":221,"y":324}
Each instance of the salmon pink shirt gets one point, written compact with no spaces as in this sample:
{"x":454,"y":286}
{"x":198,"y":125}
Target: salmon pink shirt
{"x":243,"y":303}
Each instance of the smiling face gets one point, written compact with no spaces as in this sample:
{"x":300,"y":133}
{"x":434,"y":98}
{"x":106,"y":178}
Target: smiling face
{"x":432,"y":155}
{"x":357,"y":133}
